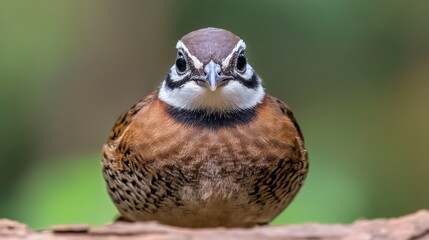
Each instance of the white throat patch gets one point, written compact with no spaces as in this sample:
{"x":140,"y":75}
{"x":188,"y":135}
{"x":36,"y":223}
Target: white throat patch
{"x":232,"y":97}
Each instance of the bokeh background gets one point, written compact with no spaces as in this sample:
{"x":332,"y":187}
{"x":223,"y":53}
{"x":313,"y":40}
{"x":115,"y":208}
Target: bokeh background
{"x":356,"y":74}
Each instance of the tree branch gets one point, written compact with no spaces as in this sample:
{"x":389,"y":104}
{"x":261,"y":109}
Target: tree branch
{"x":413,"y":227}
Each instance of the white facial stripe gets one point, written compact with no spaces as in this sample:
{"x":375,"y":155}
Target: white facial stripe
{"x":197,"y":63}
{"x":234,"y":96}
{"x":227,"y":60}
{"x":248,"y":73}
{"x":174,"y":76}
{"x":242,"y":97}
{"x":182,"y":97}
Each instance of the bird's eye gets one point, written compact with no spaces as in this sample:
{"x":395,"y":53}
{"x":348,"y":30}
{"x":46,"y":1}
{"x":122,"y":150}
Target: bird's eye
{"x":241,"y":62}
{"x":181,"y":63}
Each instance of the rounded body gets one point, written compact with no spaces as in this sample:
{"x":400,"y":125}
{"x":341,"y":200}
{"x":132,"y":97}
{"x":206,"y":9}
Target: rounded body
{"x":179,"y":168}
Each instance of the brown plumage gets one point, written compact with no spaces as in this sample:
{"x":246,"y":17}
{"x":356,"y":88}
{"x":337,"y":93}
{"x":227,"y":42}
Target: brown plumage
{"x":229,"y":170}
{"x":209,"y":44}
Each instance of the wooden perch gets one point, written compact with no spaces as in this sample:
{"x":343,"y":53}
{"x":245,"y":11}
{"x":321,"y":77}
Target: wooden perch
{"x":413,"y":227}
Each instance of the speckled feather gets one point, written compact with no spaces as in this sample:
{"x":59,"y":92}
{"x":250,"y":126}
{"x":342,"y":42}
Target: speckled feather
{"x":158,"y":168}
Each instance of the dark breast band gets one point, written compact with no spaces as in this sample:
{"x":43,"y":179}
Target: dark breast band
{"x":215,"y":120}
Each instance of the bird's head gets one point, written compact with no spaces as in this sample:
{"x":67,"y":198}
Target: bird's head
{"x":211,"y":73}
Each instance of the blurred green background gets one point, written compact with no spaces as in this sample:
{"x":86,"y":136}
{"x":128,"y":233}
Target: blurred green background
{"x":356,"y":74}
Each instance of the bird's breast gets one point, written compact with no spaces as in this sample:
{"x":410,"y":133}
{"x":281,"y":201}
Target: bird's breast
{"x":163,"y":166}
{"x":158,"y":134}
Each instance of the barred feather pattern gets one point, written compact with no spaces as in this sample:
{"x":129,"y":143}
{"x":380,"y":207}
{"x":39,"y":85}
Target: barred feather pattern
{"x":158,"y":168}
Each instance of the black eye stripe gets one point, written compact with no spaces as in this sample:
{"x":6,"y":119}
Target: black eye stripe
{"x":175,"y":84}
{"x":252,"y":83}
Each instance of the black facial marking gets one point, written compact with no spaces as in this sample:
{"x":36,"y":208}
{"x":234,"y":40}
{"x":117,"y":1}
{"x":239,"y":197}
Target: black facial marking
{"x":252,"y":83}
{"x":175,"y":84}
{"x":215,"y":120}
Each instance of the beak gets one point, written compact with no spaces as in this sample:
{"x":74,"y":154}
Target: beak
{"x":212,"y":77}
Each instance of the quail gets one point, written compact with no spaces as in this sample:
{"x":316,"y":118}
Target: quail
{"x":208,"y":148}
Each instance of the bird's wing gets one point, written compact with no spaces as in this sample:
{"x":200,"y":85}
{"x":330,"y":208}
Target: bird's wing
{"x":284,"y":108}
{"x":113,"y":150}
{"x":125,"y":119}
{"x":285,"y":111}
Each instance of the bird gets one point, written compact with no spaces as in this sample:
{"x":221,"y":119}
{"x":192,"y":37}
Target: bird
{"x":208,"y":148}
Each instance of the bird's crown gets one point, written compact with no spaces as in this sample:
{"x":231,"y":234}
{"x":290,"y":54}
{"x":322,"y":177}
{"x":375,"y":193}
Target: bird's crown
{"x":210,"y":44}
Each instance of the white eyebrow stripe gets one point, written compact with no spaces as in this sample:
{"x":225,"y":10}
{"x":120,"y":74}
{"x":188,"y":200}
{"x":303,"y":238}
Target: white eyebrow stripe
{"x":197,"y":63}
{"x":227,"y":60}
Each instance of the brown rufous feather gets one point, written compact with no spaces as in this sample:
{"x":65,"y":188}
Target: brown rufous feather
{"x":160,"y":169}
